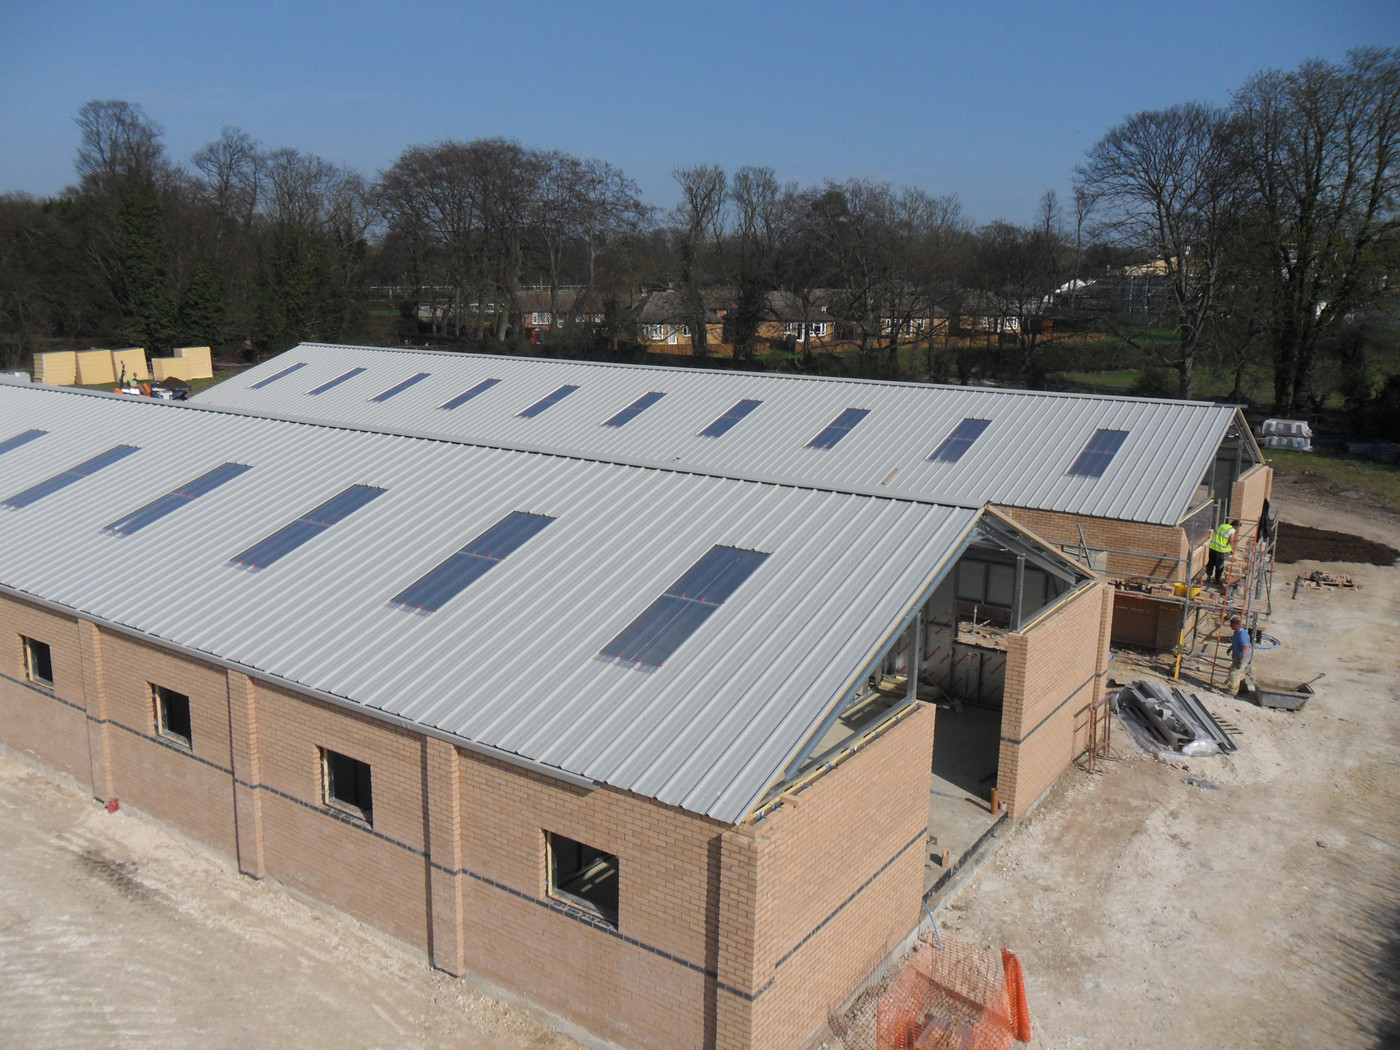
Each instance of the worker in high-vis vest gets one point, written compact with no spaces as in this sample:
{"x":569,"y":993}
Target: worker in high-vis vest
{"x":1222,"y":543}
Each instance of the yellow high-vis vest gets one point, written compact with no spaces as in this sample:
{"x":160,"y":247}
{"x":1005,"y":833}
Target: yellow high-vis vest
{"x":1220,"y":540}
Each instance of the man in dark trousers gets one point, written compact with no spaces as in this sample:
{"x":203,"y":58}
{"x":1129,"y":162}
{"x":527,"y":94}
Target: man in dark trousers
{"x":1222,"y":544}
{"x":1241,"y":658}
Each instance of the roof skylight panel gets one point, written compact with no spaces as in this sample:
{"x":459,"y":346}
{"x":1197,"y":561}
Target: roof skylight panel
{"x":663,"y":626}
{"x":273,"y":378}
{"x":159,"y":508}
{"x":723,"y":424}
{"x":1098,"y":453}
{"x":399,"y":388}
{"x":467,"y":395}
{"x":546,"y":401}
{"x":22,"y":438}
{"x":434,"y":589}
{"x":72,"y":474}
{"x":959,"y":441}
{"x":332,"y":384}
{"x":292,"y":535}
{"x":635,"y":409}
{"x":839,"y":428}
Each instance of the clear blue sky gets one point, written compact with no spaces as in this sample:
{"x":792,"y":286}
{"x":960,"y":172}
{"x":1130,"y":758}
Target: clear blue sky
{"x":993,"y":100}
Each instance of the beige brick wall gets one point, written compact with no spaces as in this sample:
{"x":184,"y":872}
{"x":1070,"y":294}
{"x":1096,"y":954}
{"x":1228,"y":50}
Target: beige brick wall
{"x":1162,"y":545}
{"x":1247,"y":497}
{"x":50,"y":724}
{"x":1054,"y":670}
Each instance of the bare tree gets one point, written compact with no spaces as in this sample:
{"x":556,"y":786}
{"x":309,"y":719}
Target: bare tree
{"x":1166,"y":183}
{"x":757,"y":201}
{"x":699,"y":220}
{"x":1320,"y":148}
{"x":118,"y":142}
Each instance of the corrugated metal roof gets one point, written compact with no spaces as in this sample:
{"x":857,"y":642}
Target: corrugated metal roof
{"x":1020,"y":460}
{"x":510,"y":664}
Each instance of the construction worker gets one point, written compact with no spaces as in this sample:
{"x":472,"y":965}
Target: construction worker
{"x":1241,"y":658}
{"x":1222,"y":544}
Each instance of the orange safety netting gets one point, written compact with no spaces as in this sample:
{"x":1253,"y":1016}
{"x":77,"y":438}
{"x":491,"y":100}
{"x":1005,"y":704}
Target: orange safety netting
{"x":957,"y":997}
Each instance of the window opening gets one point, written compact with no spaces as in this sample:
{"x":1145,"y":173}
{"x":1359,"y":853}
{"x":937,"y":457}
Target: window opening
{"x":292,"y":535}
{"x":273,"y":378}
{"x":22,"y":438}
{"x":172,"y":714}
{"x":650,"y":640}
{"x":959,"y":441}
{"x":399,"y":388}
{"x":583,"y":876}
{"x":159,"y":508}
{"x":635,"y":409}
{"x":467,"y":395}
{"x":550,"y":399}
{"x":38,"y":662}
{"x":839,"y":428}
{"x":61,"y":481}
{"x":1098,"y":453}
{"x":332,"y":384}
{"x":346,"y":785}
{"x":433,"y":590}
{"x":723,"y":424}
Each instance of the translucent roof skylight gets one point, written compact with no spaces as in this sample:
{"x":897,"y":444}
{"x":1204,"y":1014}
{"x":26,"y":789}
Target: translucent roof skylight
{"x":399,"y":388}
{"x":467,"y":395}
{"x":635,"y":409}
{"x":72,"y":474}
{"x":1098,"y":453}
{"x":332,"y":384}
{"x":292,"y":535}
{"x":440,"y":585}
{"x":550,"y":399}
{"x":663,"y":626}
{"x":159,"y":508}
{"x":959,"y":441}
{"x":22,"y":438}
{"x":839,"y":428}
{"x":724,"y":422}
{"x":273,"y":378}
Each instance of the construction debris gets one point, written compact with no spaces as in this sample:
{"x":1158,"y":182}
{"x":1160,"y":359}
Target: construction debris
{"x":1169,"y":722}
{"x":1319,"y":579}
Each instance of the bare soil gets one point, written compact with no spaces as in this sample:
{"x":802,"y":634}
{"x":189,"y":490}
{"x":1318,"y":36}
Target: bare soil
{"x":116,"y":933}
{"x":1243,"y":901}
{"x":1300,"y":543}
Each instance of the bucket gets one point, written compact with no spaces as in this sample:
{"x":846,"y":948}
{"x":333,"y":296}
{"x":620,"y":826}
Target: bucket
{"x":1179,"y":590}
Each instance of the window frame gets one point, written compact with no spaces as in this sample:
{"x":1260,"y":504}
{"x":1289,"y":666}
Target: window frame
{"x":168,"y":728}
{"x":31,"y":648}
{"x":591,"y":859}
{"x":340,"y":797}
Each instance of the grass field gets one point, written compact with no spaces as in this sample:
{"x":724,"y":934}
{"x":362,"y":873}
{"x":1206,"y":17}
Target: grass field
{"x":1377,"y":479}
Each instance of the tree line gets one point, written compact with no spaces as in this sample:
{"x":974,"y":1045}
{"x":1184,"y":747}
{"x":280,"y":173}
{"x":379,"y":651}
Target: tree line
{"x":1263,"y":230}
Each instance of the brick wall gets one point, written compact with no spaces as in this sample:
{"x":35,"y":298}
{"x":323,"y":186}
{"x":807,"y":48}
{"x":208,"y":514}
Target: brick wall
{"x":1162,"y":545}
{"x":48,"y":723}
{"x":1247,"y":496}
{"x":1054,"y":670}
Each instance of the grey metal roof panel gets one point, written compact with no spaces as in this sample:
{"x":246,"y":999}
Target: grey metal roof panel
{"x":509,"y":664}
{"x":1019,"y":461}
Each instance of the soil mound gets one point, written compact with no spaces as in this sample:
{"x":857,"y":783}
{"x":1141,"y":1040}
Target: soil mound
{"x":1300,"y":543}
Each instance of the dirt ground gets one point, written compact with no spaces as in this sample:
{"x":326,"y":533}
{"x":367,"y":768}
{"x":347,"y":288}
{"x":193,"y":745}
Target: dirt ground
{"x":115,"y":933}
{"x":1300,"y":543}
{"x":1260,"y":908}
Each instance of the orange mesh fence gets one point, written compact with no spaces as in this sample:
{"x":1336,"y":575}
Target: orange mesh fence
{"x":958,"y":997}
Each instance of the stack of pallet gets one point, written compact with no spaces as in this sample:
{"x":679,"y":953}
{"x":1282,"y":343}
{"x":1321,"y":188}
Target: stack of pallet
{"x":189,"y":362}
{"x":95,"y":366}
{"x":134,"y":360}
{"x":56,"y":366}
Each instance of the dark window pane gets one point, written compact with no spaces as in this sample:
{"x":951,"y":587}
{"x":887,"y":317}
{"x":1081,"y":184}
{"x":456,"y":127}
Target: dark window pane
{"x":724,"y":422}
{"x":336,"y":381}
{"x":635,"y":409}
{"x":467,"y":395}
{"x":401,"y":387}
{"x":839,"y":428}
{"x":550,"y":399}
{"x":273,"y":378}
{"x":959,"y":441}
{"x":1098,"y":453}
{"x":72,"y":474}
